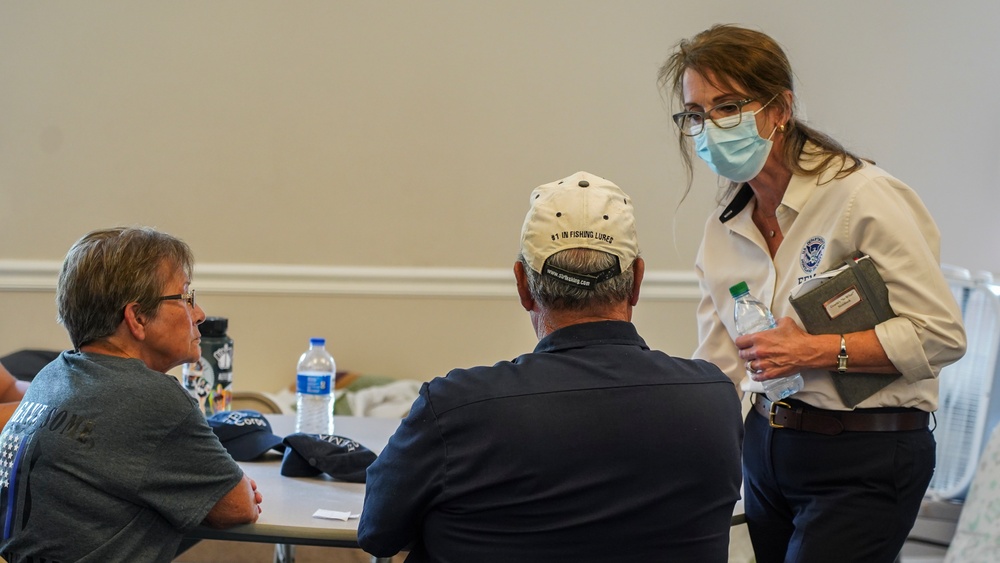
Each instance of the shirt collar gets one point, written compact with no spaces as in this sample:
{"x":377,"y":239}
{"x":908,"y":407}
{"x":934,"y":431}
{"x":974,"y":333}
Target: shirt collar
{"x":739,"y":201}
{"x":589,"y":334}
{"x":799,"y":189}
{"x":796,"y":195}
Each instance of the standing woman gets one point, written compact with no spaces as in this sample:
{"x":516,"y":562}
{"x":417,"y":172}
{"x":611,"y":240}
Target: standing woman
{"x":847,"y":485}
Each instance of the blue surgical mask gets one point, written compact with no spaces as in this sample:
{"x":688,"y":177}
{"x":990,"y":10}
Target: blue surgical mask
{"x":737,"y":153}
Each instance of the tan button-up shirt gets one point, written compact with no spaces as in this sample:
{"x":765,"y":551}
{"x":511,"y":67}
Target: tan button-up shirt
{"x":824,"y":220}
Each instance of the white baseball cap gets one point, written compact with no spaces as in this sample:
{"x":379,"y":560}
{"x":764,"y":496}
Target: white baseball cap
{"x":580,"y":211}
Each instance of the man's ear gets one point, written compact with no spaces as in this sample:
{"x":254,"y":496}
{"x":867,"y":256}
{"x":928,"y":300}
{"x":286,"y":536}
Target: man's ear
{"x":135,"y":321}
{"x":638,"y":268}
{"x":523,"y":293}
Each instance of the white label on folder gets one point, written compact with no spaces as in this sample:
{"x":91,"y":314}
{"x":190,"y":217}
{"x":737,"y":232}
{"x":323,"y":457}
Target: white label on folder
{"x":840,"y":304}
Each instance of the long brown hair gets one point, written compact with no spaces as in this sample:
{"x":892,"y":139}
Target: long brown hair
{"x":736,"y":56}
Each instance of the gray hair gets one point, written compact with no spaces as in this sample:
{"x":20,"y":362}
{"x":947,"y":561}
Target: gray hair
{"x":109,"y":268}
{"x":557,"y":295}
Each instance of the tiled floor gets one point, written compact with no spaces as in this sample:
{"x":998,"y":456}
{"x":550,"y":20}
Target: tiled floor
{"x":922,"y":553}
{"x":240,"y":552}
{"x":236,"y":552}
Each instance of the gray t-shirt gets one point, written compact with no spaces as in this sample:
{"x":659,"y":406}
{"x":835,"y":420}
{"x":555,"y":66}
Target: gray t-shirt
{"x":106,"y":460}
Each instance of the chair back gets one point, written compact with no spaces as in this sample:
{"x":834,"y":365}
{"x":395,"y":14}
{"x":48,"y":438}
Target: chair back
{"x":977,"y":538}
{"x":252,"y":400}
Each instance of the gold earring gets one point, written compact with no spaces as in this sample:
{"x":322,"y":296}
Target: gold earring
{"x":781,"y":128}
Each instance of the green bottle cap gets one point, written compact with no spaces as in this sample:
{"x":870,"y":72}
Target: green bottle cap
{"x":739,"y":289}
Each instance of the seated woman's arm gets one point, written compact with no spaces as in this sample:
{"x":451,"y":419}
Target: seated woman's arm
{"x":241,"y":505}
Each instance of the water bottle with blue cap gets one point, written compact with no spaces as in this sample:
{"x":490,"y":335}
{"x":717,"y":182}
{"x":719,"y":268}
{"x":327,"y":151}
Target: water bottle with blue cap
{"x":314,"y":389}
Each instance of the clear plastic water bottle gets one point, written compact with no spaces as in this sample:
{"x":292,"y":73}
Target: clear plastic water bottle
{"x":753,"y":316}
{"x":314,"y":389}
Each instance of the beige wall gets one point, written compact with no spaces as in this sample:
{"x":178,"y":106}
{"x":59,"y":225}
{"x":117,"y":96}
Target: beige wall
{"x":412,"y":337}
{"x":405,"y":136}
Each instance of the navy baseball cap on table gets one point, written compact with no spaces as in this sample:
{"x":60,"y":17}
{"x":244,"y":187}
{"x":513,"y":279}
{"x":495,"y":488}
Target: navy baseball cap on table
{"x":245,"y":434}
{"x":307,"y":455}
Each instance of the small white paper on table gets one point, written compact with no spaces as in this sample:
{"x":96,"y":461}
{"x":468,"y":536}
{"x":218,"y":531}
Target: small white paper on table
{"x":334,"y":515}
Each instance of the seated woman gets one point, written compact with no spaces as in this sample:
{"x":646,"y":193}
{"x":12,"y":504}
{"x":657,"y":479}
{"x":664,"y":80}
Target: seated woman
{"x":107,"y":457}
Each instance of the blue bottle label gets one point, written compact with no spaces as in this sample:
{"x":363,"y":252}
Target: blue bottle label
{"x":313,"y":384}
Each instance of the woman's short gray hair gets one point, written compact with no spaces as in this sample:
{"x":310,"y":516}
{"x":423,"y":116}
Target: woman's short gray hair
{"x":109,"y":268}
{"x":557,"y":295}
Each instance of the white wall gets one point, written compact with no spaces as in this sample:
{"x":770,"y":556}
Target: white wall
{"x":387,"y":143}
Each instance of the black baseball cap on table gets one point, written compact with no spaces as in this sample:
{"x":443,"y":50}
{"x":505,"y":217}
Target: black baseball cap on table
{"x":307,"y":455}
{"x":245,"y":434}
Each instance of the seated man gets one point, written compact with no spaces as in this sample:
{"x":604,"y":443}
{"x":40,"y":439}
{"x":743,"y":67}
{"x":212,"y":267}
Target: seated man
{"x":593,"y":448}
{"x":107,"y":458}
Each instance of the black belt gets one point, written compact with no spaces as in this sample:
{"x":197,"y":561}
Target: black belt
{"x":799,"y":416}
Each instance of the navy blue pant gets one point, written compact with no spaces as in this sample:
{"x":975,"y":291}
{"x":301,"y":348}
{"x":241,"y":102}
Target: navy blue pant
{"x":811,"y":498}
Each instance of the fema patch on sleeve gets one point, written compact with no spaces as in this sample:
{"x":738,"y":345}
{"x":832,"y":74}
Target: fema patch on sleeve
{"x":812,"y":254}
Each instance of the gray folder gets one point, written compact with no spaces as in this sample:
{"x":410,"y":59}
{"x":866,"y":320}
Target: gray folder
{"x":850,"y":298}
